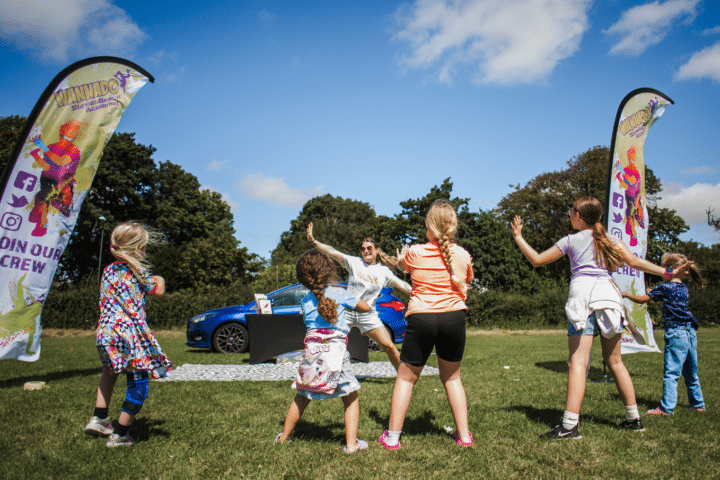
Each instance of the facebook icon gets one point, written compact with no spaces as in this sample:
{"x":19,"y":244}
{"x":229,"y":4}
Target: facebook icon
{"x":26,"y":181}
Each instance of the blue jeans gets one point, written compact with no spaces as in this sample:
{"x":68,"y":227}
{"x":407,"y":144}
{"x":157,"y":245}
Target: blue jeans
{"x":680,"y":358}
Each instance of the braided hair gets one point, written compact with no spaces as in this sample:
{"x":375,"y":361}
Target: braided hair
{"x":315,"y":271}
{"x":441,"y":223}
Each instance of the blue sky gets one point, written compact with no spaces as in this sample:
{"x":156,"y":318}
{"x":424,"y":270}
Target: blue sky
{"x":273,"y":102}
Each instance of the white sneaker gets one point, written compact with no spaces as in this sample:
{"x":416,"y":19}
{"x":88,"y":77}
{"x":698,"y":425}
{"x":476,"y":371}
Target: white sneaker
{"x":99,"y":426}
{"x":116,"y":440}
{"x":361,"y":445}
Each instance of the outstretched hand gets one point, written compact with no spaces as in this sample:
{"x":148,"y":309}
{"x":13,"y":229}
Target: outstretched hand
{"x":309,"y":233}
{"x":401,"y":253}
{"x":685,"y":269}
{"x":516,"y":226}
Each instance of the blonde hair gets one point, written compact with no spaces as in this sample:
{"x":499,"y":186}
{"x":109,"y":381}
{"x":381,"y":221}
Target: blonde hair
{"x":127,"y":243}
{"x":315,"y":271}
{"x":441,"y":223}
{"x":606,"y":255}
{"x":677,"y":260}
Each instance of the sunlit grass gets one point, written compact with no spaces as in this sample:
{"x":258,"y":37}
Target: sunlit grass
{"x":226,"y":429}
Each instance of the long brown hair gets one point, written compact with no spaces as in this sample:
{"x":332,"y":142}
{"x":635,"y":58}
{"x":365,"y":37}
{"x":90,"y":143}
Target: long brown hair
{"x":441,"y":223}
{"x":315,"y":271}
{"x":677,"y":260}
{"x":606,"y":255}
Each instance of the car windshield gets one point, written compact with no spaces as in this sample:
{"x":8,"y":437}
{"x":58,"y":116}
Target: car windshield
{"x":289,"y":298}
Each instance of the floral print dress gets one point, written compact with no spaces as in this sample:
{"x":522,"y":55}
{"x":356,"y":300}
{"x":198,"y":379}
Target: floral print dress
{"x":123,"y":336}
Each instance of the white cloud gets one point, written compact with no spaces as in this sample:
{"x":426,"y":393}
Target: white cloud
{"x":646,"y":25}
{"x":234,"y":206}
{"x":702,"y":64}
{"x":59,"y":30}
{"x":691,"y":202}
{"x":217,"y":165}
{"x":507,"y":41}
{"x":701,"y":170}
{"x":275,"y":191}
{"x":711,"y":31}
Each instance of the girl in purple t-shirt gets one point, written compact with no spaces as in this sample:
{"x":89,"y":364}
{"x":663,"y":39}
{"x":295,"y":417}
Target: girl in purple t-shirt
{"x":594,"y":306}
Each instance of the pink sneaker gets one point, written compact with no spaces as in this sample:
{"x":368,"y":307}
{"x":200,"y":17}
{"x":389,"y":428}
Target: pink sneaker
{"x":381,"y":440}
{"x":697,"y":409}
{"x":656,"y":411}
{"x":459,"y":441}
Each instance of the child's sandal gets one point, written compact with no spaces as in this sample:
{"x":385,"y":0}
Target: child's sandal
{"x":361,"y":445}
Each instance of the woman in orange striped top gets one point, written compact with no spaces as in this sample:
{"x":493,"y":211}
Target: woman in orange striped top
{"x":440,"y":272}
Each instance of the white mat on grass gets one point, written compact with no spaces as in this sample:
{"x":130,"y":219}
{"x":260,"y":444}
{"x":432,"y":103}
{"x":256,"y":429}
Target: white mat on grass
{"x":271,"y":371}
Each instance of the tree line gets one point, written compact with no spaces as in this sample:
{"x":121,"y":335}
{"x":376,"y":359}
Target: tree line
{"x":200,"y":251}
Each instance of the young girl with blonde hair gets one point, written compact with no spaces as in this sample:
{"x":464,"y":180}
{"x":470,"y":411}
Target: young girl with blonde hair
{"x":125,"y":343}
{"x":594,"y":306}
{"x":325,"y":371}
{"x":680,"y":356}
{"x":441,"y":271}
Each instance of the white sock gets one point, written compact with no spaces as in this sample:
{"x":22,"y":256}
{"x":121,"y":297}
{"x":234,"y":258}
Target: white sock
{"x":570,"y":419}
{"x":393,"y":438}
{"x":631,"y":412}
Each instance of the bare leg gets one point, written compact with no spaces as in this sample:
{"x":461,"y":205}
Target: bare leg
{"x":579,"y":355}
{"x":613,"y":359}
{"x":450,"y":378}
{"x":352,"y":418}
{"x":404,"y":382}
{"x":105,"y":388}
{"x":295,"y":412}
{"x":381,"y":336}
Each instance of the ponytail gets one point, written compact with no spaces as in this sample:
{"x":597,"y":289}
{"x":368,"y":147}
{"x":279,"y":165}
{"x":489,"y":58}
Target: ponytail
{"x":441,"y":224}
{"x":606,"y":255}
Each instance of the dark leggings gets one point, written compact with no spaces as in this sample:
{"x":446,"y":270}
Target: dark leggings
{"x":444,"y":330}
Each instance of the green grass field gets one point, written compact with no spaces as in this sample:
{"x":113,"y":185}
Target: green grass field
{"x":226,"y":429}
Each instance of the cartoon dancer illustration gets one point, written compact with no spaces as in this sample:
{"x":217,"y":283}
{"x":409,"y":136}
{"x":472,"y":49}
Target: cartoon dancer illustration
{"x":630,"y":181}
{"x":59,"y":162}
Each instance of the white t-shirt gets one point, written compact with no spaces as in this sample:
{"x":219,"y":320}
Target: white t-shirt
{"x":367,"y":281}
{"x":580,"y":248}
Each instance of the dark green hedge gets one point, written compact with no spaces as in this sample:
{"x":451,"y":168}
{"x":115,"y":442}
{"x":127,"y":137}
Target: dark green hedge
{"x":77,"y":308}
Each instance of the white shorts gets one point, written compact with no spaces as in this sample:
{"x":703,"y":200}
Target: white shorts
{"x":363,"y":321}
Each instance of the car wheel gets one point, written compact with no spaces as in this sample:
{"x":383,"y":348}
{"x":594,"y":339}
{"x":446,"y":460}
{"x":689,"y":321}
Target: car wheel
{"x":230,"y":338}
{"x":374,"y":347}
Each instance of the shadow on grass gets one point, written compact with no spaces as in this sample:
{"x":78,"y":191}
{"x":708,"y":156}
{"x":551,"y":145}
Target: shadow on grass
{"x":143,"y":428}
{"x":52,"y":376}
{"x":553,"y":416}
{"x":418,"y":425}
{"x":311,"y":431}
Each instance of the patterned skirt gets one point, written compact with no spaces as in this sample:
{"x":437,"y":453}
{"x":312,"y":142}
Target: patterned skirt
{"x":121,"y":347}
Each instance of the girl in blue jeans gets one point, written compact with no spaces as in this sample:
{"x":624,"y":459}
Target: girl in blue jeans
{"x":680,"y":335}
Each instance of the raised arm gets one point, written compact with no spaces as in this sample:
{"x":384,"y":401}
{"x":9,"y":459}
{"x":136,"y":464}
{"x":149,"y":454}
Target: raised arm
{"x":326,"y":249}
{"x":536,"y":259}
{"x":648,"y":267}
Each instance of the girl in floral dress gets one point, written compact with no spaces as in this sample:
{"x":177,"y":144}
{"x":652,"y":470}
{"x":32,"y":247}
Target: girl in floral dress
{"x":125,"y":343}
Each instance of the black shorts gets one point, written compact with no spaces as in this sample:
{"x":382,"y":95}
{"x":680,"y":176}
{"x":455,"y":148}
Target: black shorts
{"x":445,"y":331}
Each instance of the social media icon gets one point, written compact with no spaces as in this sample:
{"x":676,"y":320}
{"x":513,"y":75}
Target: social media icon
{"x":11,"y":221}
{"x":26,"y":181}
{"x":18,"y":202}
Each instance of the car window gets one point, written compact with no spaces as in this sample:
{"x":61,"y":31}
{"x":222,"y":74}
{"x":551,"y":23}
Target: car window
{"x":289,"y":298}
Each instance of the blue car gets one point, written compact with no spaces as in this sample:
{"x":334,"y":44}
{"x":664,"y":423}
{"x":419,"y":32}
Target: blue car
{"x":225,"y":330}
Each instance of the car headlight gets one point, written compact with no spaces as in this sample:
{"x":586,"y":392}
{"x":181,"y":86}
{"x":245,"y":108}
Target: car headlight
{"x":202,"y":318}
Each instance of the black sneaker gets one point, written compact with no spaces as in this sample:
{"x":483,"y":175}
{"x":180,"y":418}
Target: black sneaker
{"x":560,"y":432}
{"x":634,"y":425}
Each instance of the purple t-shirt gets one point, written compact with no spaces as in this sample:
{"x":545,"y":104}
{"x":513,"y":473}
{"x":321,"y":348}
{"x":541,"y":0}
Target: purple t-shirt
{"x":580,"y":248}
